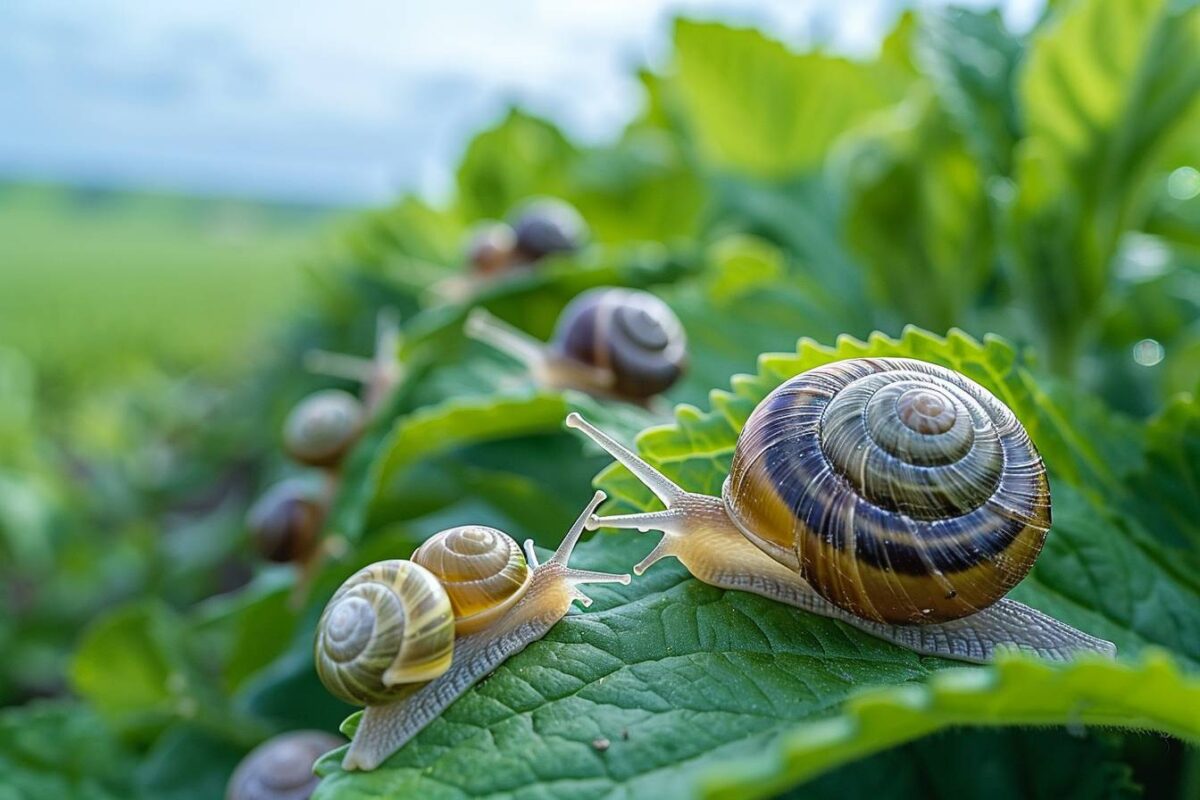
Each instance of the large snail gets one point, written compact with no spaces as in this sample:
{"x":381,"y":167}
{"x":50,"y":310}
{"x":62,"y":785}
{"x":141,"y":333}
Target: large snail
{"x":281,"y":768}
{"x":406,"y":638}
{"x":895,"y":495}
{"x":608,"y":342}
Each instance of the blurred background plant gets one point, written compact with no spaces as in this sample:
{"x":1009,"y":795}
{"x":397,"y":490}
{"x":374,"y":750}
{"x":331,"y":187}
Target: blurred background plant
{"x":1033,"y":174}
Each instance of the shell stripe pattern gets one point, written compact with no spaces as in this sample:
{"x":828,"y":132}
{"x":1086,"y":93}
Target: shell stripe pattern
{"x":901,"y":490}
{"x":482,"y":570}
{"x":389,"y":625}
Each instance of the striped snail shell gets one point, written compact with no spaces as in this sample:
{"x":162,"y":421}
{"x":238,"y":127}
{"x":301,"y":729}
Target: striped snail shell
{"x":482,"y":570}
{"x":902,"y":491}
{"x":632,"y":333}
{"x":323,"y":427}
{"x":281,"y":768}
{"x":388,"y":626}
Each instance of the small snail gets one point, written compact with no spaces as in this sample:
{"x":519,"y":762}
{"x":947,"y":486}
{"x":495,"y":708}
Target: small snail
{"x":285,"y":522}
{"x":895,"y":495}
{"x":491,"y":247}
{"x":608,"y":342}
{"x":406,"y":638}
{"x":547,"y":226}
{"x":323,"y":427}
{"x":281,"y":768}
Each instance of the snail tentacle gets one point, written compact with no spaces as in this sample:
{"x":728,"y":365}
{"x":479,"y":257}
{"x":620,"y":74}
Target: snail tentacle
{"x":698,"y":531}
{"x":553,"y":586}
{"x":547,"y":366}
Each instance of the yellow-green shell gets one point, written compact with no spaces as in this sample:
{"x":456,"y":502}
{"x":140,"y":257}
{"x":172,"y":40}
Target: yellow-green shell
{"x":389,"y":626}
{"x":482,"y":570}
{"x":902,"y":491}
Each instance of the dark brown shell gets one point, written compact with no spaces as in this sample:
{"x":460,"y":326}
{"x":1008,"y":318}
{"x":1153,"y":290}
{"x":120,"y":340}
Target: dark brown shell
{"x":285,"y":522}
{"x":632,"y":333}
{"x":901,"y":491}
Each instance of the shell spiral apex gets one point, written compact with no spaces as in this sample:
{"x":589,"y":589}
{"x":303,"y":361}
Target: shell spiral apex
{"x":389,"y":625}
{"x":902,"y":491}
{"x":630,"y":332}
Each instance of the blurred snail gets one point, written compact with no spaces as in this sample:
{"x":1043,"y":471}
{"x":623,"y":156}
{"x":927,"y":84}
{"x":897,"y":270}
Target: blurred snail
{"x":406,"y":638}
{"x":285,"y":522}
{"x":548,"y":226}
{"x":608,"y":342}
{"x":491,"y":247}
{"x":281,"y":768}
{"x":895,"y":495}
{"x":323,"y":427}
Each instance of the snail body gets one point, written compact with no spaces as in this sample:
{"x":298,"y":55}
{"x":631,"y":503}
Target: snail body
{"x":893,"y":494}
{"x":281,"y":768}
{"x":609,"y":342}
{"x":406,"y":638}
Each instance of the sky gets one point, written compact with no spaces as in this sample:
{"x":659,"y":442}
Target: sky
{"x":347,"y":102}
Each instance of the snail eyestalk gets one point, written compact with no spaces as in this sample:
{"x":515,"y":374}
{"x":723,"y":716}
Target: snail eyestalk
{"x":493,"y":331}
{"x":379,"y":374}
{"x":698,"y":531}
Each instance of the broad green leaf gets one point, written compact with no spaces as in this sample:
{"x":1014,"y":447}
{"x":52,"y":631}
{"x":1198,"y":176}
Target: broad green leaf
{"x":995,"y":764}
{"x":970,"y":59}
{"x":61,"y":750}
{"x":1152,"y":694}
{"x":1104,"y":85}
{"x":754,"y":106}
{"x":520,"y":157}
{"x":680,"y":678}
{"x":141,"y":668}
{"x":918,"y":215}
{"x":1166,"y":490}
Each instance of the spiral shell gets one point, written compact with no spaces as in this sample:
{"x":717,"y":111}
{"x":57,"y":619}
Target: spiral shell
{"x":322,"y":427}
{"x":630,"y":332}
{"x":482,"y":570}
{"x":901,"y":491}
{"x":281,"y":768}
{"x":389,"y":625}
{"x":285,"y":522}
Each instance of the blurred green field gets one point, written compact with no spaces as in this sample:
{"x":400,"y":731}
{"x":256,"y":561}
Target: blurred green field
{"x":94,"y":283}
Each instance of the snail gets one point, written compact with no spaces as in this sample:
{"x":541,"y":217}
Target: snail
{"x":285,"y":522}
{"x":323,"y":427}
{"x":491,"y":247}
{"x":608,"y":342}
{"x":895,"y":495}
{"x":406,"y":638}
{"x":281,"y":768}
{"x":547,"y":226}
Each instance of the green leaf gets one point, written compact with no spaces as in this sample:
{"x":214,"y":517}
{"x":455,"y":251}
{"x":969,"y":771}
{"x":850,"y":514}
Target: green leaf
{"x":1103,"y":86}
{"x":1152,"y":695}
{"x":993,"y":764}
{"x":918,"y":215}
{"x":61,"y":750}
{"x":1164,"y":491}
{"x":754,"y":106}
{"x":971,"y":59}
{"x":681,"y":678}
{"x":519,"y":157}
